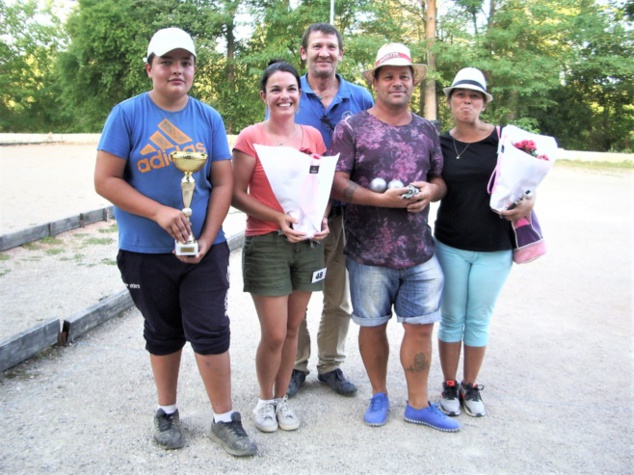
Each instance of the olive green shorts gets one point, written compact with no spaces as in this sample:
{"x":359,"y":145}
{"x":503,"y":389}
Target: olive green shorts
{"x":273,"y":266}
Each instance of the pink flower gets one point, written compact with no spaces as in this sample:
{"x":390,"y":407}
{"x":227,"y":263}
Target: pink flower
{"x":529,"y":147}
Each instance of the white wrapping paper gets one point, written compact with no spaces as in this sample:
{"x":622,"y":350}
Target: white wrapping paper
{"x":518,"y":173}
{"x":301,"y":183}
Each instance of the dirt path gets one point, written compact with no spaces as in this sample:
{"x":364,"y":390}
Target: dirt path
{"x":44,"y":183}
{"x":558,"y":374}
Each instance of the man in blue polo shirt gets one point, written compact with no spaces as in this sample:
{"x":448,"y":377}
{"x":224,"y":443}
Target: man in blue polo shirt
{"x":326,"y":99}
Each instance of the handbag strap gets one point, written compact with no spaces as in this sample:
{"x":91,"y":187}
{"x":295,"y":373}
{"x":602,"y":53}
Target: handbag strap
{"x":493,"y":178}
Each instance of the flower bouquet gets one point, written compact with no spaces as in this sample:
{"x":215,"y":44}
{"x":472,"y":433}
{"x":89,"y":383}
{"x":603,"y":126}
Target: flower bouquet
{"x":524,"y":159}
{"x":301,"y":183}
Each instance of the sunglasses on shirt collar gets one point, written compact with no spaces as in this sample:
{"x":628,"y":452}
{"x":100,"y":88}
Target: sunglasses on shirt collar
{"x":326,"y":121}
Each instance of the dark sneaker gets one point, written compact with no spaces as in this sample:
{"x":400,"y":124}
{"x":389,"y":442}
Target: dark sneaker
{"x":449,"y":399}
{"x":431,"y":416}
{"x":376,"y":414}
{"x":471,"y":399}
{"x":232,"y":436}
{"x":338,"y":382}
{"x":167,"y":430}
{"x":297,"y":379}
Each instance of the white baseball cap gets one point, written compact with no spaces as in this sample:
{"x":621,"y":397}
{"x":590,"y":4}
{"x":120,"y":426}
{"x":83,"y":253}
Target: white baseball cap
{"x":396,"y":54}
{"x":168,"y":39}
{"x":470,"y":78}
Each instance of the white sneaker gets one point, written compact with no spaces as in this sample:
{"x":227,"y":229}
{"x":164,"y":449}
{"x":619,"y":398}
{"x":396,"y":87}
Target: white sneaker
{"x":286,"y":418}
{"x":265,"y":420}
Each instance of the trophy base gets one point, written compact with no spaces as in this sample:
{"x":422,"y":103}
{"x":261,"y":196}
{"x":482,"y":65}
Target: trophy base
{"x":186,"y":249}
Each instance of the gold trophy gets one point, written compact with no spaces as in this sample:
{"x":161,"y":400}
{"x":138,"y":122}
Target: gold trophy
{"x":188,"y":163}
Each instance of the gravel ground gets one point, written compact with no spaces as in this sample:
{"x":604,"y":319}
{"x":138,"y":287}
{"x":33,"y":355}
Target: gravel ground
{"x":58,"y":277}
{"x":558,"y":373}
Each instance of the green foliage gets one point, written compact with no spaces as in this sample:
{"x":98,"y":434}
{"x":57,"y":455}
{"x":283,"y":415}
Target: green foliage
{"x":103,"y":64}
{"x":592,"y":107}
{"x":28,"y":92}
{"x":561,"y":67}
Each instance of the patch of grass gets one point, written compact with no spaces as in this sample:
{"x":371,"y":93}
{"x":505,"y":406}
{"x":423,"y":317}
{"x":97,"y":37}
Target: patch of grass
{"x":109,"y":262}
{"x":595,"y":165}
{"x":32,"y":259}
{"x":110,"y":229}
{"x":32,"y":246}
{"x":79,"y":257}
{"x":50,"y":240}
{"x":4,"y":272}
{"x":4,"y":257}
{"x":54,"y":251}
{"x":80,"y":235}
{"x":97,"y":241}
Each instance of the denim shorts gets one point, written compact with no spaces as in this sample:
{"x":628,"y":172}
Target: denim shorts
{"x":272,"y":266}
{"x":415,"y":293}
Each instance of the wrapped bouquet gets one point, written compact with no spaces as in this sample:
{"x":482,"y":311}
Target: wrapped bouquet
{"x":301,"y":183}
{"x":524,"y":159}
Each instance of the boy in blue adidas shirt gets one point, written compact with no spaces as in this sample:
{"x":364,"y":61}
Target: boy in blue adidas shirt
{"x":182,"y":298}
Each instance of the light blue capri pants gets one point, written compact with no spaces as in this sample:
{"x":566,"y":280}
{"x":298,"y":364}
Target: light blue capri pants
{"x":473,"y":282}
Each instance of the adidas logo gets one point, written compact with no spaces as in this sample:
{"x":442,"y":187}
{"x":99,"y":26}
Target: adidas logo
{"x":168,"y":138}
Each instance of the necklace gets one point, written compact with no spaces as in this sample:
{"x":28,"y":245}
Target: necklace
{"x":283,"y":140}
{"x":458,"y":155}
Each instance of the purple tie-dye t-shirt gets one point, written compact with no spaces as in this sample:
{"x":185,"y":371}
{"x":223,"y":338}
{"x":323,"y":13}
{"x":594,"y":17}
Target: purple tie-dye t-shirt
{"x":369,"y":148}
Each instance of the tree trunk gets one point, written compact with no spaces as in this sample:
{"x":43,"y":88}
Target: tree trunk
{"x":430,"y":84}
{"x":231,"y":49}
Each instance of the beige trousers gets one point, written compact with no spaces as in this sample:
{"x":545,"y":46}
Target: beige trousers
{"x":335,"y":317}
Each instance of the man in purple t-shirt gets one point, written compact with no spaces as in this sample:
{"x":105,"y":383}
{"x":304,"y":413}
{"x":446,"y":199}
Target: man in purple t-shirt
{"x":389,"y":247}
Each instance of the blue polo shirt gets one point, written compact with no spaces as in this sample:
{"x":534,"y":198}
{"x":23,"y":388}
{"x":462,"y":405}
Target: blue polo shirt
{"x":350,"y":99}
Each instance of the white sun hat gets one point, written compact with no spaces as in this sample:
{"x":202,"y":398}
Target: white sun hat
{"x":396,"y":54}
{"x":469,"y":78}
{"x":169,"y":39}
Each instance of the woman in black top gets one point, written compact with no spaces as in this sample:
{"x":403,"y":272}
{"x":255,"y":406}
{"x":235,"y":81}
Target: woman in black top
{"x":474,"y":243}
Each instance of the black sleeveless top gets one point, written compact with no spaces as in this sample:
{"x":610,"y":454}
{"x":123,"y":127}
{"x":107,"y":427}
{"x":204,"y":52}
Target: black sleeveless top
{"x":465,"y":219}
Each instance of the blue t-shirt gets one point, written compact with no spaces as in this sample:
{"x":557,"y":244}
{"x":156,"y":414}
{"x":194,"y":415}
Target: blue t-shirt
{"x":143,"y":134}
{"x":349,"y":100}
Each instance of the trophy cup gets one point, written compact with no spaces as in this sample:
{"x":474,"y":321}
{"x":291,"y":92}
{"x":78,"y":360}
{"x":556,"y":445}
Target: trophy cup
{"x":188,"y":163}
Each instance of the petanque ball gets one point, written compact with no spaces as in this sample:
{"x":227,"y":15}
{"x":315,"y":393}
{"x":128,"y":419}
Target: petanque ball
{"x":378,"y":185}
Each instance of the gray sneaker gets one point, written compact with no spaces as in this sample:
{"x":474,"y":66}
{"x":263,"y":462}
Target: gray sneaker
{"x":338,"y":382}
{"x":471,"y":399}
{"x":449,"y":398}
{"x":167,"y":430}
{"x":232,"y":436}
